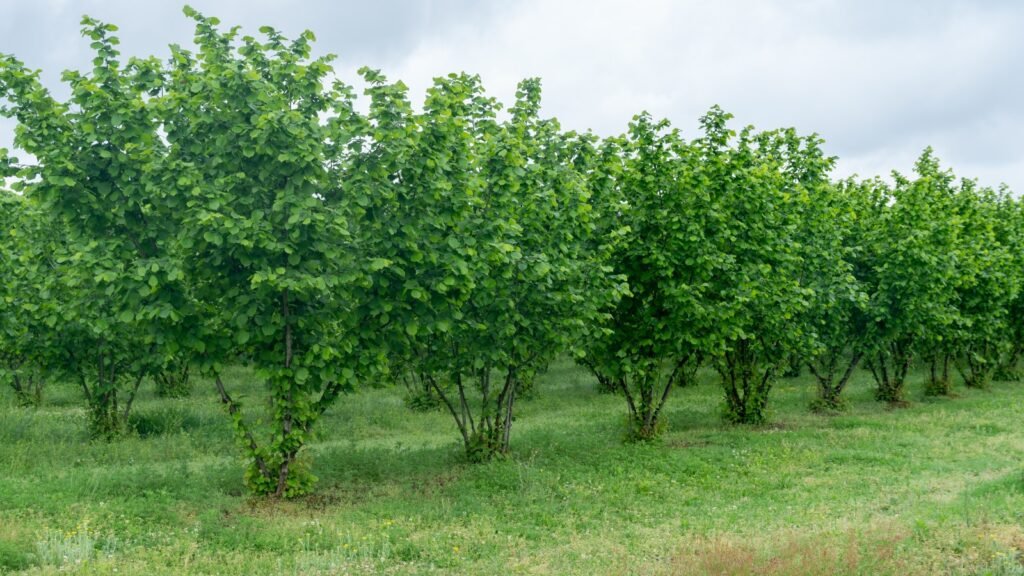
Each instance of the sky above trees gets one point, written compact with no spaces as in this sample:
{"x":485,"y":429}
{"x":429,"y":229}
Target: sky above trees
{"x":878,"y":80}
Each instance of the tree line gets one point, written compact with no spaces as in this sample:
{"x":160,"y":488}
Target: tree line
{"x":234,"y":205}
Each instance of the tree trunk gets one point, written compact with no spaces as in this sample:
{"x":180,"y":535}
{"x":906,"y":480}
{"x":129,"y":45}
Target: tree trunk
{"x":793,"y":366}
{"x":28,"y":384}
{"x":829,"y":389}
{"x":174,"y":380}
{"x":288,"y":446}
{"x":746,"y":385}
{"x":976,"y":368}
{"x":1008,"y":370}
{"x":939,"y":382}
{"x":889,"y":369}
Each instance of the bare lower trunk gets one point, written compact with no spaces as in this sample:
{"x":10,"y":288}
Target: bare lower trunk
{"x":1008,"y":369}
{"x":889,"y":367}
{"x":829,"y":389}
{"x":976,"y":367}
{"x":512,"y":383}
{"x":234,"y":410}
{"x":939,"y":382}
{"x":28,"y":384}
{"x":174,"y":380}
{"x":606,"y":384}
{"x":746,"y":384}
{"x":647,"y":393}
{"x":287,"y":452}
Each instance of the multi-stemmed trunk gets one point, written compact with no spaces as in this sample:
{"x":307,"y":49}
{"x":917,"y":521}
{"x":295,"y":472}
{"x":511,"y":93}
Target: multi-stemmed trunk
{"x":648,"y":390}
{"x":27,"y":382}
{"x":830,"y":388}
{"x":1008,"y":369}
{"x":419,"y":394}
{"x":173,"y":381}
{"x":746,"y":382}
{"x":487,"y":434}
{"x":793,"y":366}
{"x":977,"y":365}
{"x":275,"y":468}
{"x":102,"y":380}
{"x":889,"y":366}
{"x":939,"y":381}
{"x":606,"y":384}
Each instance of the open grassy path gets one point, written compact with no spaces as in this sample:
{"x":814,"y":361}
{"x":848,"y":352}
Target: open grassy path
{"x":935,"y":488}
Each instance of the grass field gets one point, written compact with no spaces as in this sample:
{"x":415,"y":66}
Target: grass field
{"x":935,"y":488}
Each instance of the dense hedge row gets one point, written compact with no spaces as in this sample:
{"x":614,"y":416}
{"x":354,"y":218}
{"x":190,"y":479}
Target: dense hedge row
{"x":234,"y":204}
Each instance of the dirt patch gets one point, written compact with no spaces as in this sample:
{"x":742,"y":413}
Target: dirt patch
{"x":849,"y":552}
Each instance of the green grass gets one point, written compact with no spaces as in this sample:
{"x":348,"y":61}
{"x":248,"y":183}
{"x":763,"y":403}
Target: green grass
{"x":935,"y":488}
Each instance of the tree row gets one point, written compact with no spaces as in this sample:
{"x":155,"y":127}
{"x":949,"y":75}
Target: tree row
{"x":236,"y":204}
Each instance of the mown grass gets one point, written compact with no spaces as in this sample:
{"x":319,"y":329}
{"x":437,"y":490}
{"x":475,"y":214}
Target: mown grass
{"x":935,"y":488}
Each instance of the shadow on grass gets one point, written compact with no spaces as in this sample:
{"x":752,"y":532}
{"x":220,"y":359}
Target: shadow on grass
{"x":353,"y":474}
{"x":165,"y":421}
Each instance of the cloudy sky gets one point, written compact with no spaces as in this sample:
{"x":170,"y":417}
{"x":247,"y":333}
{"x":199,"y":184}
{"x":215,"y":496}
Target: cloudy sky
{"x":878,"y":79}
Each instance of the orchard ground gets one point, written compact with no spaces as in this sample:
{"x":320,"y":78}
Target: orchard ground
{"x":934,"y":488}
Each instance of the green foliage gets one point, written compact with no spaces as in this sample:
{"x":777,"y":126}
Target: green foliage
{"x":990,"y":281}
{"x":173,"y":380}
{"x":1011,"y":234}
{"x":14,"y":557}
{"x":482,"y":234}
{"x":910,"y":270}
{"x":235,"y":205}
{"x":729,"y":239}
{"x":97,"y":178}
{"x":264,"y":235}
{"x":765,"y":189}
{"x":656,"y":334}
{"x":837,"y":316}
{"x":24,"y":302}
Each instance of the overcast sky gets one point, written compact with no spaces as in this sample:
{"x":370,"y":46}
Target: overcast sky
{"x":878,"y":79}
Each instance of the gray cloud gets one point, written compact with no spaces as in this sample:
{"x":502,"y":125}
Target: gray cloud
{"x":46,"y":33}
{"x":879,"y":80}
